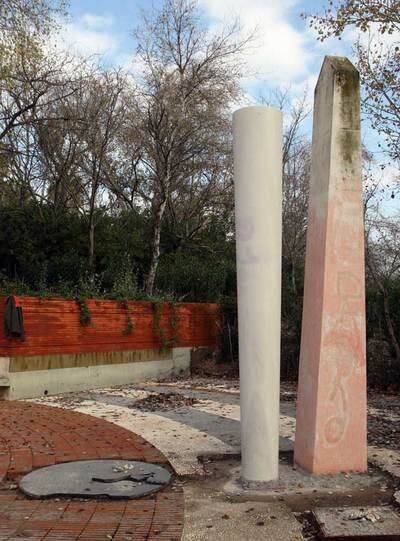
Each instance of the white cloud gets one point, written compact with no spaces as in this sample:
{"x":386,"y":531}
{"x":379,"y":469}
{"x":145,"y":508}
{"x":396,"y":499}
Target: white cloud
{"x":386,"y":176}
{"x":333,"y":45}
{"x":132,"y":63}
{"x":384,"y":181}
{"x":374,"y":36}
{"x":280,"y":55}
{"x":88,"y":35}
{"x":94,"y":20}
{"x":345,"y":45}
{"x":306,"y":87}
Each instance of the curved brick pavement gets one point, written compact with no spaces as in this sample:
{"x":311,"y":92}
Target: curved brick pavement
{"x":32,"y":436}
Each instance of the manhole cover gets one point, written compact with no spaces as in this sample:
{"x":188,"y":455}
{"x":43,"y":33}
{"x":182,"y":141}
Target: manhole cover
{"x":94,"y":478}
{"x":366,"y":523}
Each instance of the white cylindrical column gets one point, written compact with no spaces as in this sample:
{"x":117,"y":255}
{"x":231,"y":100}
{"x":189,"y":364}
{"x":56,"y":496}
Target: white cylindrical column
{"x":258,"y":201}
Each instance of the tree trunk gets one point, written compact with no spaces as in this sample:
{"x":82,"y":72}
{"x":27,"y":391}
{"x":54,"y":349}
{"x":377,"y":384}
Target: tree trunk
{"x":293,"y":275}
{"x":92,"y":207}
{"x":155,"y":251}
{"x":91,"y":245}
{"x":389,"y":325}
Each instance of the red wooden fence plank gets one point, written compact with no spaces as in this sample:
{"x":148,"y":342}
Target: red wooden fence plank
{"x":53,"y":326}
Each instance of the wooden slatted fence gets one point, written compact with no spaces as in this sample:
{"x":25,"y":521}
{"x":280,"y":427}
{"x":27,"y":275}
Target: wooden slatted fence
{"x":53,"y":326}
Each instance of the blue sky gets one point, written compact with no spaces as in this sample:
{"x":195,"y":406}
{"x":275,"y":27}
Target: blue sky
{"x":286,"y":55}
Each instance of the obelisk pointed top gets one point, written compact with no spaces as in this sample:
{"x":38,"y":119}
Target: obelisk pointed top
{"x":337,"y":64}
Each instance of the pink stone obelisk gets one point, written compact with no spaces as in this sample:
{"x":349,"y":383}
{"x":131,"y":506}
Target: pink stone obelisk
{"x":331,"y":408}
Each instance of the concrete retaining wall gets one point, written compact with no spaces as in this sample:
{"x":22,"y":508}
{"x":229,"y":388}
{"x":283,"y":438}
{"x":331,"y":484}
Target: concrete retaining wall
{"x":79,"y":373}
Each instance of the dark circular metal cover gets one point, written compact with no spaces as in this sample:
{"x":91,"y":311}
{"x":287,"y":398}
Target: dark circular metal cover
{"x":96,"y":478}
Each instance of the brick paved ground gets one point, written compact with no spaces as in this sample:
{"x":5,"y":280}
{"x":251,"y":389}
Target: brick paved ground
{"x":32,"y":436}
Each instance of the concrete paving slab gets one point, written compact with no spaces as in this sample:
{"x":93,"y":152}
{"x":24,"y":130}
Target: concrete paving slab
{"x":210,"y":516}
{"x":209,"y":427}
{"x":358,"y":523}
{"x":293,"y":481}
{"x":218,"y":520}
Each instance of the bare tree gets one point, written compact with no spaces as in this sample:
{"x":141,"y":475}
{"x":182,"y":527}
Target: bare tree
{"x":59,"y":139}
{"x":383,"y":262}
{"x":125,"y":174}
{"x":104,"y":116}
{"x":296,"y":160}
{"x":36,"y":15}
{"x":79,"y":137}
{"x":23,"y":172}
{"x":378,"y":58}
{"x":29,"y":71}
{"x":190,"y":80}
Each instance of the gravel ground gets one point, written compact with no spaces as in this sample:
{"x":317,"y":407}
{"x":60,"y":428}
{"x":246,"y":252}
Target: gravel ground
{"x":384,"y":422}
